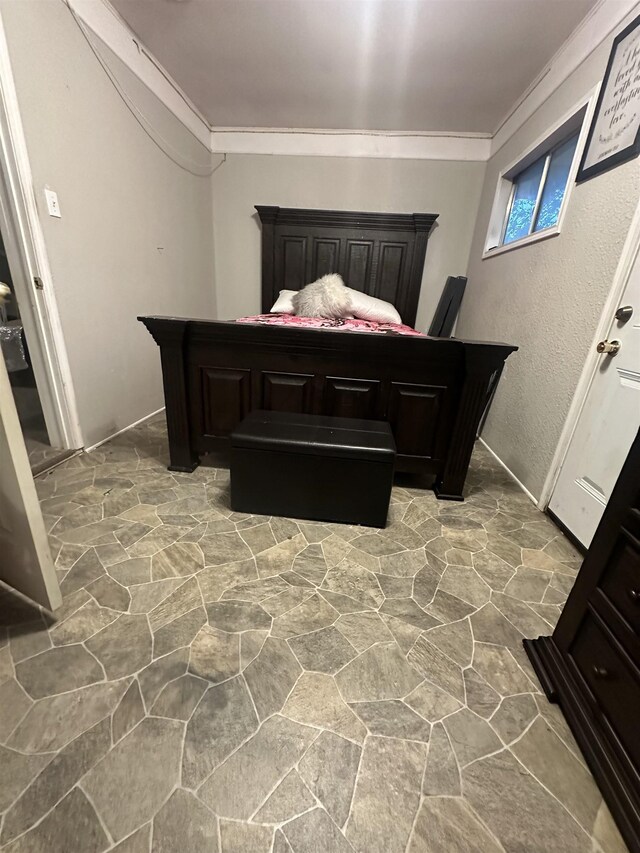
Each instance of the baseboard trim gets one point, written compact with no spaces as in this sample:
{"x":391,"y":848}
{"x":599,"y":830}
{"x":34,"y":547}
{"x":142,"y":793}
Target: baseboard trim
{"x":124,"y":429}
{"x":565,"y":530}
{"x":531,"y":497}
{"x":50,"y":464}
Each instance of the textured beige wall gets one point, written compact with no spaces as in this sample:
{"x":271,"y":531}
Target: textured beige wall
{"x":451,"y":189}
{"x":135,"y":233}
{"x":546,"y":297}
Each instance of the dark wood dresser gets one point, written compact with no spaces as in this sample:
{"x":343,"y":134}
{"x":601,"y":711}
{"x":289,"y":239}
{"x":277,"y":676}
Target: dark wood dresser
{"x":590,"y":665}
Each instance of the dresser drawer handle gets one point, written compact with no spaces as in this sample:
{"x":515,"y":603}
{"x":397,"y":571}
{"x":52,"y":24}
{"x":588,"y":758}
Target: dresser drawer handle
{"x":634,"y":595}
{"x":600,"y":672}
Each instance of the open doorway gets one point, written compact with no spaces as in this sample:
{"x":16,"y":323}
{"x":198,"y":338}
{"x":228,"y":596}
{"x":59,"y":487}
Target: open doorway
{"x":15,"y":350}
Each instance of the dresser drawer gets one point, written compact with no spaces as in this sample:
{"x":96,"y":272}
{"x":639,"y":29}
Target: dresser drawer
{"x":621,"y":579}
{"x":612,"y":681}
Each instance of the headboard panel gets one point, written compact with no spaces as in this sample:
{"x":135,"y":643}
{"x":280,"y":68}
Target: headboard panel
{"x":378,"y":253}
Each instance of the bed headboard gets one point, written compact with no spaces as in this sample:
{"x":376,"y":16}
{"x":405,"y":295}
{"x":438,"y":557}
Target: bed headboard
{"x":378,"y":253}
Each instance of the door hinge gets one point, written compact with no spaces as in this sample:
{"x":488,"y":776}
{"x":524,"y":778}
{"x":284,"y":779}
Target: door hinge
{"x":39,"y":284}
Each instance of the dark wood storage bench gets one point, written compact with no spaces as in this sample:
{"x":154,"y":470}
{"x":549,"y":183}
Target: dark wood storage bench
{"x":310,"y":466}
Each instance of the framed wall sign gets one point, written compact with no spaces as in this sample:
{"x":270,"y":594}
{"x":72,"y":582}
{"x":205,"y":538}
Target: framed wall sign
{"x":614,"y":135}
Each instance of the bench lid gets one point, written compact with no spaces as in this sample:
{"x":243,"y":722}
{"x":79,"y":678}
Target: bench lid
{"x":317,"y":435}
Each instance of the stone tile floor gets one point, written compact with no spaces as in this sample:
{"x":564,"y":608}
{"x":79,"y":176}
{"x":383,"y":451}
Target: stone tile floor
{"x":39,"y":453}
{"x":234,"y":684}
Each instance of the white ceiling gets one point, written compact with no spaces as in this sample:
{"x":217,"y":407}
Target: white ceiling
{"x":403,"y":65}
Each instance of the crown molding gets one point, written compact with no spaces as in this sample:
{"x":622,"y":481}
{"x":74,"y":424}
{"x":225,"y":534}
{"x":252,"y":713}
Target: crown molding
{"x":605,"y":17}
{"x":109,"y":27}
{"x":103,"y":20}
{"x":349,"y":143}
{"x":346,"y":218}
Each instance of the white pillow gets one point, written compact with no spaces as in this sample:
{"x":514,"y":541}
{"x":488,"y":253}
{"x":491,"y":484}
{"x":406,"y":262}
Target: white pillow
{"x":363,"y":306}
{"x":284,"y":303}
{"x":366,"y":307}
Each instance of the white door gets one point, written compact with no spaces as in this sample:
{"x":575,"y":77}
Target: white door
{"x":607,"y":424}
{"x":25,"y":558}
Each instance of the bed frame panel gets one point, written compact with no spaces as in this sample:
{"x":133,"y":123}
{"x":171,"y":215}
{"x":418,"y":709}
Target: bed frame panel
{"x":381,"y":254}
{"x":432,"y":391}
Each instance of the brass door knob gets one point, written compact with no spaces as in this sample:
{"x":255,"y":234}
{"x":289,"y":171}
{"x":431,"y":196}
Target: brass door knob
{"x":608,"y":347}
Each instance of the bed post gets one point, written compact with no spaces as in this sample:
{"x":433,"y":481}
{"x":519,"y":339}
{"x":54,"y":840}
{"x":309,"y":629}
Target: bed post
{"x":481,"y":362}
{"x":268,"y":216}
{"x":169,"y":334}
{"x":422,"y":224}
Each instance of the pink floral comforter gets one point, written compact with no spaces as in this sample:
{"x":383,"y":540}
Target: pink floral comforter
{"x":339,"y":325}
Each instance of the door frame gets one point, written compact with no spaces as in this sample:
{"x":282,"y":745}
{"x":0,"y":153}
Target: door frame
{"x":30,"y":269}
{"x":628,"y":257}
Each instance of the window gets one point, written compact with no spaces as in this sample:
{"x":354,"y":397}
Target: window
{"x":533,"y":191}
{"x":538,"y":191}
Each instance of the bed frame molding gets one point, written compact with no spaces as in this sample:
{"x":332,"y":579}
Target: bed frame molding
{"x":381,"y":254}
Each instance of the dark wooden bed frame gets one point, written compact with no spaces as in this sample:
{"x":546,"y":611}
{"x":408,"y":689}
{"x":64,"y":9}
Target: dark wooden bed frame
{"x":431,"y":390}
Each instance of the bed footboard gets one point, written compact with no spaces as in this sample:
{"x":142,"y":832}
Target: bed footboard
{"x":432,"y":391}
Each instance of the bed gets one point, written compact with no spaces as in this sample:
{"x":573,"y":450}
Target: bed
{"x":431,"y":390}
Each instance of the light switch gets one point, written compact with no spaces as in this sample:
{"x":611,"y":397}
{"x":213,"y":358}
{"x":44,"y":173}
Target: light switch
{"x":52,"y":203}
